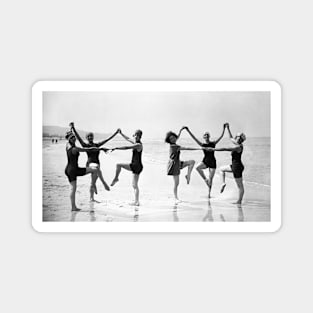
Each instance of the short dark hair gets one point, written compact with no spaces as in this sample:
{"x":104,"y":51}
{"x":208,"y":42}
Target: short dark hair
{"x":168,"y":135}
{"x":139,"y":132}
{"x":69,"y":134}
{"x":89,"y":134}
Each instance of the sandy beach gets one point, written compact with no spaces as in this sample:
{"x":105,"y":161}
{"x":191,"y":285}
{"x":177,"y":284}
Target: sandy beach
{"x":156,"y":197}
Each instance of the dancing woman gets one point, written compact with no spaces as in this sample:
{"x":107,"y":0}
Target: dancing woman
{"x":93,"y":158}
{"x":135,"y":165}
{"x":175,"y":164}
{"x":209,"y":160}
{"x":72,"y":170}
{"x":236,"y":167}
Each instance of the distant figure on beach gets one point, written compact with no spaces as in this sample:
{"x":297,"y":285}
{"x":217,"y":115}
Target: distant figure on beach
{"x":56,"y":140}
{"x":135,"y":165}
{"x":93,"y":158}
{"x":236,"y":167}
{"x":52,"y":140}
{"x":72,"y":170}
{"x":209,"y":160}
{"x":175,"y":164}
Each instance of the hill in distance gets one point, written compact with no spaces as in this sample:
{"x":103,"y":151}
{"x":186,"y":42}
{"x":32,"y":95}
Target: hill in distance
{"x":57,"y":131}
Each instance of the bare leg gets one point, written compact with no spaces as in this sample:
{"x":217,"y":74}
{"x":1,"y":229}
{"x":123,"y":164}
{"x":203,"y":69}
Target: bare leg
{"x":119,"y":167}
{"x":190,"y":164}
{"x":241,"y":189}
{"x":106,"y":186}
{"x":210,"y":180}
{"x":73,"y":195}
{"x":136,"y":189}
{"x":223,"y":170}
{"x":200,"y":167}
{"x":93,"y":188}
{"x":176,"y":183}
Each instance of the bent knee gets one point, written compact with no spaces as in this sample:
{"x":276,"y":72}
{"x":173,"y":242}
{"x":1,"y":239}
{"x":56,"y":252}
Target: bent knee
{"x":199,"y":167}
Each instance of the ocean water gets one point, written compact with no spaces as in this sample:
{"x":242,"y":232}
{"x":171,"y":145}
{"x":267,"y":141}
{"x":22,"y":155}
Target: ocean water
{"x":256,"y":156}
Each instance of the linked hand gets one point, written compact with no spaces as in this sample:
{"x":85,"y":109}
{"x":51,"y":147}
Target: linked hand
{"x":71,"y":124}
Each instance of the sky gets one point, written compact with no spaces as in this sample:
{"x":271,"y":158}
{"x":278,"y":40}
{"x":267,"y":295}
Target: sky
{"x":155,"y":113}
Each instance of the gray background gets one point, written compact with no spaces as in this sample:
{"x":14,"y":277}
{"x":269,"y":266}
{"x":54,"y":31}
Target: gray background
{"x":99,"y":40}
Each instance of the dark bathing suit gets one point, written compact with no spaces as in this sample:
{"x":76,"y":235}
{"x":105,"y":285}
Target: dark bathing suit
{"x":136,"y":164}
{"x":174,"y":164}
{"x":93,"y":156}
{"x":237,"y":166}
{"x":209,"y":158}
{"x":72,"y":170}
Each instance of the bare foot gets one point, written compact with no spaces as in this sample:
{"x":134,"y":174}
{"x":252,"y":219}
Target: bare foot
{"x":188,"y":179}
{"x":115,"y":180}
{"x":95,"y":189}
{"x":177,"y":201}
{"x":223,"y":187}
{"x":106,"y":186}
{"x":76,"y":209}
{"x":135,"y":203}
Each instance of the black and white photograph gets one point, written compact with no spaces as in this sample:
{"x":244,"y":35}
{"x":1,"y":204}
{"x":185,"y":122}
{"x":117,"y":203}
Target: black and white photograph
{"x":166,"y":156}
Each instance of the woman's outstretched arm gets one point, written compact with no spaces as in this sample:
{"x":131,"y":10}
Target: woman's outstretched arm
{"x":81,"y":141}
{"x":191,"y":149}
{"x":90,"y":149}
{"x":134,"y":146}
{"x":222,"y":135}
{"x":229,"y":132}
{"x":101,"y":143}
{"x":179,"y":133}
{"x":236,"y":148}
{"x":193,"y":136}
{"x":127,"y":138}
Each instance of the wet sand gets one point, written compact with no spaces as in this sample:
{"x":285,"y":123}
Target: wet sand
{"x":156,"y":196}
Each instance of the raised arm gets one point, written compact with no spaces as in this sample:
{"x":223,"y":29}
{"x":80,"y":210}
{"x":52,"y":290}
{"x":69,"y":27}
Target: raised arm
{"x":229,"y":132}
{"x":127,"y":138}
{"x":180,"y":131}
{"x":220,"y":137}
{"x":193,"y":136}
{"x":81,"y":141}
{"x":101,"y":143}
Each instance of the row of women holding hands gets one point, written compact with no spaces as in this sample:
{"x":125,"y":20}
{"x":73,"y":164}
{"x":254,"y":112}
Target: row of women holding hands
{"x":175,"y":165}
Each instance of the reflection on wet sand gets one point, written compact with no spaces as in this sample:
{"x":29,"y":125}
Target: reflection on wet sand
{"x":240,"y":215}
{"x":92,"y":216}
{"x":92,"y":211}
{"x":175,"y":215}
{"x":213,"y":212}
{"x":136,"y":216}
{"x":209,"y":214}
{"x":73,"y":216}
